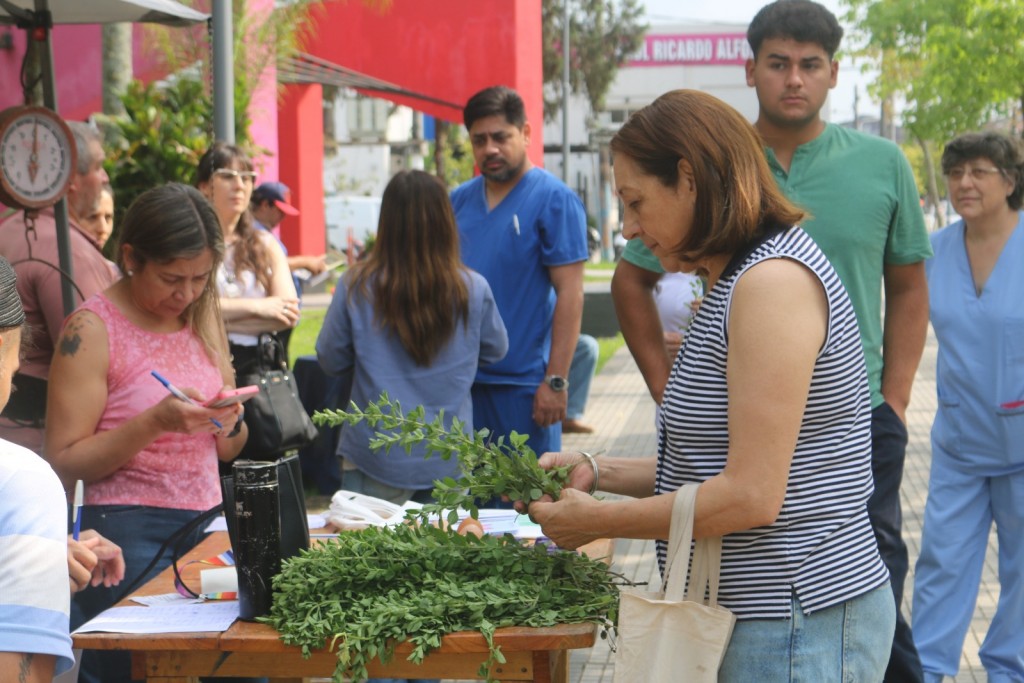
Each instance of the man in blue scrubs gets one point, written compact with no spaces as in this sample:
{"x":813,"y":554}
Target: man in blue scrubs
{"x":524,"y":230}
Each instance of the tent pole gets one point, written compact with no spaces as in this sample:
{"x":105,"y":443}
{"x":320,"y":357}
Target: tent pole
{"x":60,"y":211}
{"x":223,"y":72}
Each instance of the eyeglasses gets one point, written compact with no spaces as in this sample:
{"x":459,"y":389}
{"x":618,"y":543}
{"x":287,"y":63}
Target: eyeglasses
{"x":978,"y":175}
{"x":231,"y":174}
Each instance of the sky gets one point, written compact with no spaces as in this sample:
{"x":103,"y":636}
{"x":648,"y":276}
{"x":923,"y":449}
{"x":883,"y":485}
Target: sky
{"x":741,"y":12}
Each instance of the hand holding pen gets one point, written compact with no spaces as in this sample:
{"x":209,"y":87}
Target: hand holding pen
{"x":218,"y":419}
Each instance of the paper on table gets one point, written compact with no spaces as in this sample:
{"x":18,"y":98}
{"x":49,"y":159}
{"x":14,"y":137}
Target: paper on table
{"x":501,"y":522}
{"x":172,"y":598}
{"x":221,"y":524}
{"x":213,"y":616}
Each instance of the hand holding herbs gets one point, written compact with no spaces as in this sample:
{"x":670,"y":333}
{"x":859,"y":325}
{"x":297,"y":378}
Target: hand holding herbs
{"x":369,"y":590}
{"x":488,"y":469}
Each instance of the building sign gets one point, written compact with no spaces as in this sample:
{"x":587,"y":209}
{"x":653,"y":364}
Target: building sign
{"x":707,"y":49}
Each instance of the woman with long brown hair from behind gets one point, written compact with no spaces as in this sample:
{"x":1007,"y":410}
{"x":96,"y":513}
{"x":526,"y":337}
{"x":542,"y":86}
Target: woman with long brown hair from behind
{"x":414,"y":322}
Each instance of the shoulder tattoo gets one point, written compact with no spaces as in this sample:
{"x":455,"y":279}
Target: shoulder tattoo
{"x":71,"y":339}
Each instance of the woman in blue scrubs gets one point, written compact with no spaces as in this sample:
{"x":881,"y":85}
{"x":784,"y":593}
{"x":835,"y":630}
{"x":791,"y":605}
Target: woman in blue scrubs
{"x":976,"y":296}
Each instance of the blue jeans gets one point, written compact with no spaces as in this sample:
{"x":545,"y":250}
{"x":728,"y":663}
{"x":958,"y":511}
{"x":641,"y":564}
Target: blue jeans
{"x":888,"y":452}
{"x":581,"y":372}
{"x":140,"y":531}
{"x":847,"y":642}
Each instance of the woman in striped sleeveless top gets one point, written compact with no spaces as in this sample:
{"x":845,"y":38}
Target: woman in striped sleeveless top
{"x":767,"y":407}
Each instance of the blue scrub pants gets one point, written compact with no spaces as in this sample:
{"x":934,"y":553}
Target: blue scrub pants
{"x":959,"y":513}
{"x":581,"y":372}
{"x":888,"y":452}
{"x":505,"y":408}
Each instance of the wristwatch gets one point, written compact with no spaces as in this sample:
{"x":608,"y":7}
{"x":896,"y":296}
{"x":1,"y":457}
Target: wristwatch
{"x":556,"y":382}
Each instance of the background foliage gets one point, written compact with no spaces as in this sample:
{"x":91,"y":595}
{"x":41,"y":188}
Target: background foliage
{"x":159,"y":139}
{"x":603,"y":34}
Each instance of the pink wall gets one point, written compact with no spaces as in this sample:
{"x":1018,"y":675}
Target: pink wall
{"x":263,"y":110}
{"x":78,"y":63}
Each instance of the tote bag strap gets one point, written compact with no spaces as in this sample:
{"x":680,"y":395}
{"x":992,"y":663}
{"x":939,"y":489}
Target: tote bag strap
{"x":706,"y":570}
{"x":677,"y":560}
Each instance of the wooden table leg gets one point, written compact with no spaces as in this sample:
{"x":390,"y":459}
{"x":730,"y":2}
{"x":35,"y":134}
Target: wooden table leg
{"x":551,"y":666}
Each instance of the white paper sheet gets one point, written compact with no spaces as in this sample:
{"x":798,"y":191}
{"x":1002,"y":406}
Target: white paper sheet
{"x":168,"y":618}
{"x":221,"y":524}
{"x":164,"y":599}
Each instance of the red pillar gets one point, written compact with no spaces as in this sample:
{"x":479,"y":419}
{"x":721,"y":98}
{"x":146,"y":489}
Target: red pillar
{"x":300,"y":134}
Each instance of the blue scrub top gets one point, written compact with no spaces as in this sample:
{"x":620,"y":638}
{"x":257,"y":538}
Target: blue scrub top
{"x":540,"y":223}
{"x":980,"y":367}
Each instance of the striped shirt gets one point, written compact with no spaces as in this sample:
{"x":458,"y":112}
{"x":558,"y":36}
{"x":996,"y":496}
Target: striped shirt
{"x":821,"y":545}
{"x":34,"y":591}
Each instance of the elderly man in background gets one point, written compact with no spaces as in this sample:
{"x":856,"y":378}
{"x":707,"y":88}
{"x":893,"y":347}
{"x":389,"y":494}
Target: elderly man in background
{"x":33,"y":254}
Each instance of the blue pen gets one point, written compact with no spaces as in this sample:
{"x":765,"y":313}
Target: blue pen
{"x":178,"y":393}
{"x":76,"y":510}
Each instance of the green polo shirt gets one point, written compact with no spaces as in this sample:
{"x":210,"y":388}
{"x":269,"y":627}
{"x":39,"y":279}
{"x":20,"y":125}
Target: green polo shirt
{"x":864,"y":213}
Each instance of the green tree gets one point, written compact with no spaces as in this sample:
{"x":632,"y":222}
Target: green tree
{"x":159,"y":138}
{"x":603,"y":34}
{"x":456,"y":155}
{"x":958,"y":65}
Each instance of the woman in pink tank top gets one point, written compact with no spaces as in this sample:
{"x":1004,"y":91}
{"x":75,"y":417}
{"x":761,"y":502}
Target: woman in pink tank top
{"x":148,"y":459}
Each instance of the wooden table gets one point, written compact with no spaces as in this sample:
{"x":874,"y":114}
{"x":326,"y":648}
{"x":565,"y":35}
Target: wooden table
{"x":250,"y":649}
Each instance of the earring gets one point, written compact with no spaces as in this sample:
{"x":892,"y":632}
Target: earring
{"x":130,"y":272}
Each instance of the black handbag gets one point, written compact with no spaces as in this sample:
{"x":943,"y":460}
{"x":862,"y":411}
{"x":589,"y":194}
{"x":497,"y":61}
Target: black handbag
{"x":294,"y":522}
{"x":276,"y":419}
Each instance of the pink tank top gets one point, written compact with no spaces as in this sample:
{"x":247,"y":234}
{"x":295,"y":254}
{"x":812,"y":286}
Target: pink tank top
{"x":176,"y":470}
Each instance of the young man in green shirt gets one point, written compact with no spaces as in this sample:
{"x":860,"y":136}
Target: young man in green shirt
{"x":865,"y":215}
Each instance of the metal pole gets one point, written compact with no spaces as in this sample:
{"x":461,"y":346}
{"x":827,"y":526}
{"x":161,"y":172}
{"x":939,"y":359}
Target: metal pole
{"x":223,"y":72}
{"x":565,"y":93}
{"x":60,"y":211}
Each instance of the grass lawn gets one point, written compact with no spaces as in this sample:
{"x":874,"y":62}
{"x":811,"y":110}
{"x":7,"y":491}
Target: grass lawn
{"x":303,"y":341}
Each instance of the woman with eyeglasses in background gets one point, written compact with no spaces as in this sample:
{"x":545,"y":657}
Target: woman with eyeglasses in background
{"x":257,"y":294}
{"x":975,"y":288}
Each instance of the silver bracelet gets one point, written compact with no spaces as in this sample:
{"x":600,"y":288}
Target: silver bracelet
{"x":597,"y":473}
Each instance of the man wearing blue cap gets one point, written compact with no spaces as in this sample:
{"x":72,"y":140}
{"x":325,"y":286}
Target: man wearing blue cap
{"x":270,"y":203}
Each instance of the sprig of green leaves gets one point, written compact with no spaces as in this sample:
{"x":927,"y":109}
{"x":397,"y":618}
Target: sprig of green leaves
{"x":487,"y":468}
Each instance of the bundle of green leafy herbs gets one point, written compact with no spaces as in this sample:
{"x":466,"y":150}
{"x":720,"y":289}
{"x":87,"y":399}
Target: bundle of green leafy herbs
{"x":369,"y":590}
{"x":487,"y":468}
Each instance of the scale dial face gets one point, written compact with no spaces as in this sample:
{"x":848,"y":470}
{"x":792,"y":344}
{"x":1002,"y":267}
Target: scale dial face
{"x":37,"y":157}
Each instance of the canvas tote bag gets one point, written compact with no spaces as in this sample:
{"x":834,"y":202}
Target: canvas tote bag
{"x":661,"y":635}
